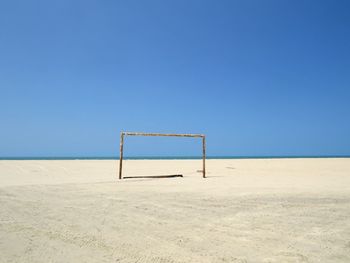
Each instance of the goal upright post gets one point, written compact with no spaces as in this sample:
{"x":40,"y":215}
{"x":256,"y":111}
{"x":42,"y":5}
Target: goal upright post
{"x":121,"y":154}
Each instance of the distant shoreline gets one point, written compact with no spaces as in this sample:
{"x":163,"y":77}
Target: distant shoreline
{"x":175,"y":157}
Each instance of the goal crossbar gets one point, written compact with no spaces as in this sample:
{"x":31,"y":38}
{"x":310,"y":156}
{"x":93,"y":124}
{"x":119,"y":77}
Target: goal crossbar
{"x":122,"y":134}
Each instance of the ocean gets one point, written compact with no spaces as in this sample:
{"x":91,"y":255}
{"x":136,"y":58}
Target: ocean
{"x":168,"y":157}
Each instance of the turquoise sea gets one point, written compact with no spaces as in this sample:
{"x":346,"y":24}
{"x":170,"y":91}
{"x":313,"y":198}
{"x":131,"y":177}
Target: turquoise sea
{"x":170,"y":157}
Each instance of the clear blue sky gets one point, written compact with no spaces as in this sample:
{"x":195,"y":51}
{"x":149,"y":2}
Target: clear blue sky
{"x":257,"y":77}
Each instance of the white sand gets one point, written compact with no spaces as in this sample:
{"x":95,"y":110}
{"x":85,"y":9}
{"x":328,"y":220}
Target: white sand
{"x":282,"y":210}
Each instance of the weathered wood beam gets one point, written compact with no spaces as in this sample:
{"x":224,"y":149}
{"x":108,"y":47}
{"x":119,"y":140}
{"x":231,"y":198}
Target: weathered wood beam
{"x":163,"y":134}
{"x":121,"y":154}
{"x":154,"y":176}
{"x":204,"y":155}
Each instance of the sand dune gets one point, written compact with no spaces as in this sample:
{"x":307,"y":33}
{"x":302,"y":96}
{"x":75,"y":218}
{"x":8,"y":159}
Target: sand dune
{"x":281,"y":210}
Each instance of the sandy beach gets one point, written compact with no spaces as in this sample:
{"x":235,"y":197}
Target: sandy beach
{"x":257,"y":210}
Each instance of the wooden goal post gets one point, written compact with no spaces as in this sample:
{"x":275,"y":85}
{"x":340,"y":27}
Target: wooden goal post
{"x":122,"y":134}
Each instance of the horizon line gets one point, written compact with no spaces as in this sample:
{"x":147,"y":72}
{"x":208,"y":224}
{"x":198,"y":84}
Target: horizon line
{"x":175,"y":157}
